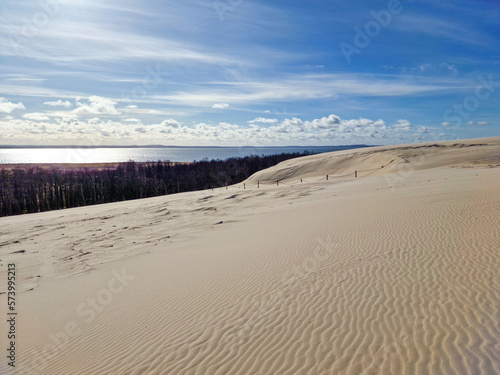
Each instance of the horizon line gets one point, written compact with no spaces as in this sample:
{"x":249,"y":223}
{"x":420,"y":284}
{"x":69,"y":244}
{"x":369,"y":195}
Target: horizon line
{"x":170,"y":146}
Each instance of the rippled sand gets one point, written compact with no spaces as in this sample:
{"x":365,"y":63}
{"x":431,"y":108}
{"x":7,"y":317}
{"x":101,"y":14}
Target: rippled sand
{"x":393,"y":272}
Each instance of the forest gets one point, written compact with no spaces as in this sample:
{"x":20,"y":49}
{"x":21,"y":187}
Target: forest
{"x":37,"y":189}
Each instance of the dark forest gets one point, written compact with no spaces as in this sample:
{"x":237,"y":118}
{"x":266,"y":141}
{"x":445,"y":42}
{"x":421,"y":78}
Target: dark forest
{"x":37,"y":189}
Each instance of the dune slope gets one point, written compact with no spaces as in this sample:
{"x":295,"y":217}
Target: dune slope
{"x":393,"y":272}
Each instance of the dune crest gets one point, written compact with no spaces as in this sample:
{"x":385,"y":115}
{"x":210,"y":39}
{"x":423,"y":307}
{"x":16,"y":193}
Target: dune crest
{"x":380,"y":160}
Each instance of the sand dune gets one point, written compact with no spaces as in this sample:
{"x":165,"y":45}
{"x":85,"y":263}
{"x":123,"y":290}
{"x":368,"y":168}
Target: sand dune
{"x":380,"y":160}
{"x":393,"y":272}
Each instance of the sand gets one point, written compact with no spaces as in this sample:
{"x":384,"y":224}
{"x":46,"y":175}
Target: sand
{"x":393,"y":272}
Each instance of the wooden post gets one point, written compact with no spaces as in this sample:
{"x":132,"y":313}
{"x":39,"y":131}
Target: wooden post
{"x":258,"y":183}
{"x":277,"y":182}
{"x":327,"y":177}
{"x":356,"y":174}
{"x":244,"y":186}
{"x":300,"y":180}
{"x":226,"y":185}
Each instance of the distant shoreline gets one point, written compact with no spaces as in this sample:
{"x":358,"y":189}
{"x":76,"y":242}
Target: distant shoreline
{"x":111,"y":154}
{"x":98,"y":166}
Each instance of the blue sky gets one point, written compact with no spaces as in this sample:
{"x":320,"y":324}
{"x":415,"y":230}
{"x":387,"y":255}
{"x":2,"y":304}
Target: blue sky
{"x":247,"y":72}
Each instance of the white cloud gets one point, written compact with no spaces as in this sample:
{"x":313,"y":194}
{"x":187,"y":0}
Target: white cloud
{"x":59,"y":103}
{"x":62,"y":114}
{"x":425,"y":129}
{"x":141,"y":129}
{"x":94,"y":121}
{"x":8,"y":107}
{"x":362,"y":128}
{"x":403,"y":125}
{"x":29,"y":80}
{"x":132,"y":106}
{"x":37,"y":116}
{"x":446,"y":124}
{"x":170,"y":123}
{"x":327,"y":130}
{"x":295,"y":122}
{"x":480,"y":123}
{"x":97,"y":106}
{"x":290,"y":126}
{"x":262,"y":120}
{"x":220,"y":106}
{"x":325,"y":122}
{"x":442,"y":68}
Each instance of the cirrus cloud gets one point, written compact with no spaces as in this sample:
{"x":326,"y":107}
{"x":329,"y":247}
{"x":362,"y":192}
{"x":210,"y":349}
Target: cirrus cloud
{"x":262,"y":120}
{"x":220,"y":106}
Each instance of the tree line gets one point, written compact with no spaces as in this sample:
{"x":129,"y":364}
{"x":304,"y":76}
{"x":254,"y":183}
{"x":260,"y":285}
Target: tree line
{"x":36,"y":189}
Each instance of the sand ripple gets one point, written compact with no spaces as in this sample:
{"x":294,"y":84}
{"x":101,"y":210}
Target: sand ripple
{"x":358,"y":280}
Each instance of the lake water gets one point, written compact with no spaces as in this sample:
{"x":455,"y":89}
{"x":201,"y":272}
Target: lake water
{"x":139,"y":154}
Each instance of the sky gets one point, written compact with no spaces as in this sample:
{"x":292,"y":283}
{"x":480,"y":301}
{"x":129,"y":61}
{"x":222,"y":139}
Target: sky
{"x":248,"y":72}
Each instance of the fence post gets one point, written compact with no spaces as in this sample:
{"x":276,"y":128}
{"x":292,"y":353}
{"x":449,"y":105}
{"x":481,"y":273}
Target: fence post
{"x":277,"y":182}
{"x":258,"y":184}
{"x":300,"y":180}
{"x":356,"y":174}
{"x":244,"y":186}
{"x":226,"y":185}
{"x":327,"y":177}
